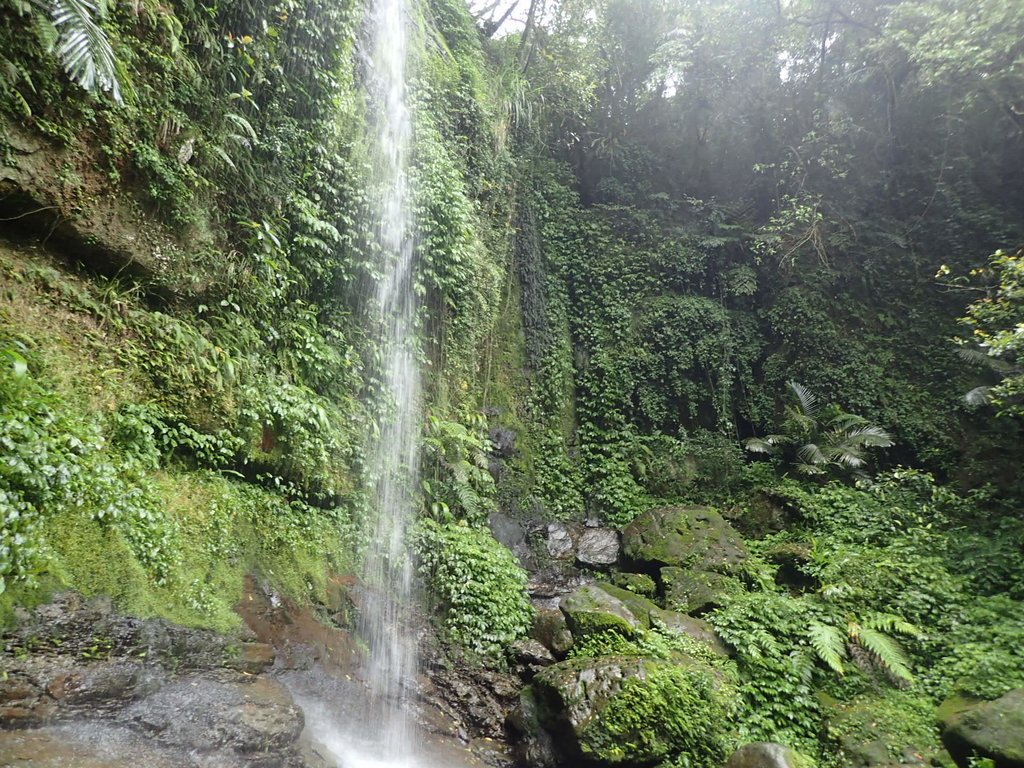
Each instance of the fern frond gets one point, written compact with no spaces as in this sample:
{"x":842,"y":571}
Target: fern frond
{"x":829,"y":644}
{"x":886,"y":651}
{"x":468,"y":500}
{"x":890,"y":622}
{"x":82,"y":46}
{"x":807,"y":400}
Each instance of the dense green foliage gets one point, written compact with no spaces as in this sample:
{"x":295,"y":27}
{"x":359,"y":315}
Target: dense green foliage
{"x":883,"y":584}
{"x":640,"y":221}
{"x":478,"y":584}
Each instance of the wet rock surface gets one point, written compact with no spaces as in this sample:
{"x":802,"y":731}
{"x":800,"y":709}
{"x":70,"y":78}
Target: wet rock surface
{"x":101,"y":689}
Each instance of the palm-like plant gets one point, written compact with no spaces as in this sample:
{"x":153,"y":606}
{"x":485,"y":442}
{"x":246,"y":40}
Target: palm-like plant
{"x":816,"y":439}
{"x":73,"y":32}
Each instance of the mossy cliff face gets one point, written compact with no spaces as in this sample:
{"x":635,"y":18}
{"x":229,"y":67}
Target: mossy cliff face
{"x":187,"y":362}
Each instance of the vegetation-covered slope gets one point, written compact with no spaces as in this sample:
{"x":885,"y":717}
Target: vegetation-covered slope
{"x":652,"y":234}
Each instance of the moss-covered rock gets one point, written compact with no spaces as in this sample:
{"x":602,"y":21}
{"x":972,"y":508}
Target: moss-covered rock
{"x":992,"y":729}
{"x":616,"y":710}
{"x":638,"y":583}
{"x":687,"y":537}
{"x":882,"y":727}
{"x":638,"y":605}
{"x":694,"y":592}
{"x":552,"y":631}
{"x":698,"y":629}
{"x":533,"y":744}
{"x":591,"y":610}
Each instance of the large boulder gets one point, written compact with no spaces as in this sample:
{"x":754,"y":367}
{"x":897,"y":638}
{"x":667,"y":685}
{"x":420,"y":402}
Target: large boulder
{"x":691,"y":591}
{"x":591,"y":610}
{"x":767,"y":754}
{"x":624,"y":710}
{"x":598,"y":548}
{"x":992,"y":729}
{"x":695,"y":629}
{"x":684,"y":536}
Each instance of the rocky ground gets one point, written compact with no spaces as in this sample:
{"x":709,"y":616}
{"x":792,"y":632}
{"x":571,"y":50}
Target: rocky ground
{"x":82,"y":686}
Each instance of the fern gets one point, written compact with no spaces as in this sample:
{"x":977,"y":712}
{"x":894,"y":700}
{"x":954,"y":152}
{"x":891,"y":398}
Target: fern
{"x":829,"y":644}
{"x":884,"y":649}
{"x":890,"y":622}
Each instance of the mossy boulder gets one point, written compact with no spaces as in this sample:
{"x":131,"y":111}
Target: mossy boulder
{"x":638,"y":583}
{"x":691,"y":591}
{"x":552,"y":631}
{"x":638,"y":605}
{"x":697,"y":629}
{"x":992,"y":729}
{"x":766,"y":754}
{"x":592,"y":609}
{"x":533,"y":744}
{"x":684,"y":536}
{"x":615,"y":710}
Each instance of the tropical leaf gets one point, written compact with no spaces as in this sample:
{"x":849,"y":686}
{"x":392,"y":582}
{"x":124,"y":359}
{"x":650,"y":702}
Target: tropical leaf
{"x":768,"y":444}
{"x":829,"y":643}
{"x":811,"y":454}
{"x":806,"y":400}
{"x":870,"y":436}
{"x":885,"y":650}
{"x":82,"y":46}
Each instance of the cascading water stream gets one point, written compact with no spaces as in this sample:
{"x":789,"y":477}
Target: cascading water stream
{"x":395,"y":455}
{"x":380,"y":734}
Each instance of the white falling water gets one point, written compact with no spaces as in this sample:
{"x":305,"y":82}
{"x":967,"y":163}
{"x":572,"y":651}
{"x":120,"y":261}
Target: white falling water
{"x":395,"y":455}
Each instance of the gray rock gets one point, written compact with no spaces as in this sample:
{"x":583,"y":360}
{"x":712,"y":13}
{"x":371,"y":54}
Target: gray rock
{"x":533,"y":652}
{"x":238,"y":715}
{"x":98,"y":684}
{"x":562,"y":541}
{"x":598,"y":547}
{"x":992,"y":729}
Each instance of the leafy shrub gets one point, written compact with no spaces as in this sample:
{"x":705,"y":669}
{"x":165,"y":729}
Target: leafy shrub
{"x":55,"y":461}
{"x":477,"y":583}
{"x":682,"y":711}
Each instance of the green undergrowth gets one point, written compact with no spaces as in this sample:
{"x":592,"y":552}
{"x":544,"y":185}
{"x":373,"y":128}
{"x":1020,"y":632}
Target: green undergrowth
{"x":873,"y":606}
{"x":105,"y":489}
{"x":477,"y":585}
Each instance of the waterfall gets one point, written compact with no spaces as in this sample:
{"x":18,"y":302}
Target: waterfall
{"x":394,"y":458}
